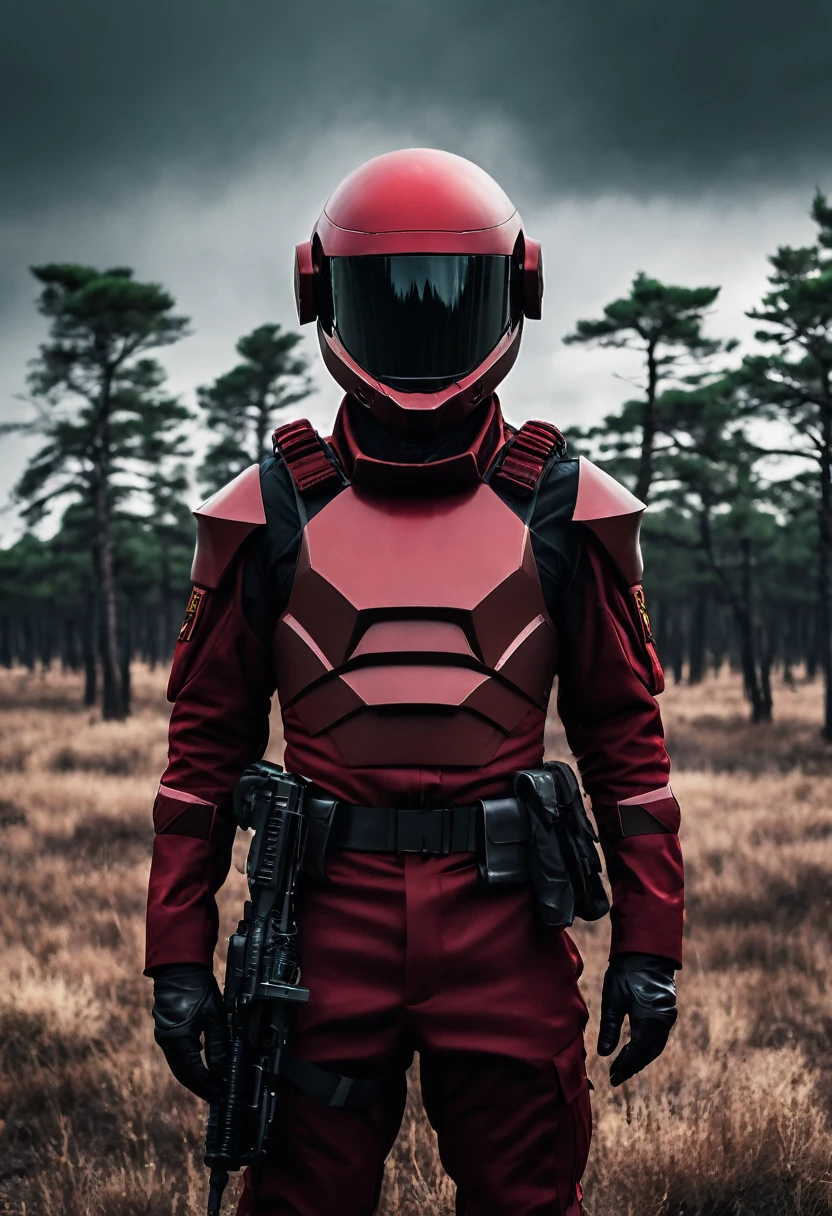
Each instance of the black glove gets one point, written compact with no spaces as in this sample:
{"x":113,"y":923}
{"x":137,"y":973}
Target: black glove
{"x":187,"y":1007}
{"x":643,"y":986}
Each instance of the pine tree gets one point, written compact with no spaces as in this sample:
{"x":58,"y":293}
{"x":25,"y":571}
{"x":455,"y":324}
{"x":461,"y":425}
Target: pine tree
{"x":97,"y":400}
{"x":795,"y":385}
{"x":709,"y":475}
{"x":169,"y":531}
{"x":242,"y":405}
{"x":664,"y":323}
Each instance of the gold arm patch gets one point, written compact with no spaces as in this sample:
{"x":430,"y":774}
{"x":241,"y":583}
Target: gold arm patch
{"x":638,"y":596}
{"x":191,"y":614}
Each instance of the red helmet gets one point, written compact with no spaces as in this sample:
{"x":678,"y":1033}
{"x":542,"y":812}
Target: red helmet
{"x":419,"y":275}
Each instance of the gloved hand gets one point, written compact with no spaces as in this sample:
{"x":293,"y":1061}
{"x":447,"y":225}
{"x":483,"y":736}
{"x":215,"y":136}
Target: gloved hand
{"x":187,"y":1007}
{"x":643,"y":986}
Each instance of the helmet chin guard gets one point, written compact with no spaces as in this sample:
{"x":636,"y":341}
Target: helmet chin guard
{"x":419,"y":276}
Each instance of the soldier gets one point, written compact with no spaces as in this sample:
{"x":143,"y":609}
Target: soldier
{"x":410,"y":586}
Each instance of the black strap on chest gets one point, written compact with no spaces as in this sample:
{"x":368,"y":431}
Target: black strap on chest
{"x":311,"y":464}
{"x":526,"y":457}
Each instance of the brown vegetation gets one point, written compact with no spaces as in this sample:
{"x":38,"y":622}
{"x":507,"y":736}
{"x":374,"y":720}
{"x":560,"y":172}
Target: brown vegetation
{"x":733,"y":1121}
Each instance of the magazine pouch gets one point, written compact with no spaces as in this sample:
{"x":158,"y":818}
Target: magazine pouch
{"x":320,"y":810}
{"x":504,"y":848}
{"x":564,"y":864}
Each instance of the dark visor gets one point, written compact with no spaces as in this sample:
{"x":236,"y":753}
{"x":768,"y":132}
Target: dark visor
{"x":419,"y":322}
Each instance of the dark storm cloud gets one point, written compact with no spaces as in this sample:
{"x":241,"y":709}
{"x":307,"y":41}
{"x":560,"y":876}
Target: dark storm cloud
{"x":97,"y":96}
{"x":197,"y":139}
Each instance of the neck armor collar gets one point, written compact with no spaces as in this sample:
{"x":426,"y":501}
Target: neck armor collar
{"x":380,"y":460}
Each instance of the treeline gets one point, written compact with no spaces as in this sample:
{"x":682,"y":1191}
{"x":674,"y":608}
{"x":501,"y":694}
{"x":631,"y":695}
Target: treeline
{"x":734,"y":457}
{"x":116,"y":460}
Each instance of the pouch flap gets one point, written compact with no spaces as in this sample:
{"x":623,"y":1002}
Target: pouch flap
{"x":318,"y":812}
{"x":565,"y":780}
{"x":536,"y":787}
{"x":569,"y":796}
{"x":505,"y":821}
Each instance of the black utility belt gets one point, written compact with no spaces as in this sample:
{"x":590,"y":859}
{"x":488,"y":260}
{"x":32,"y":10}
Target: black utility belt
{"x":540,"y":836}
{"x":390,"y":829}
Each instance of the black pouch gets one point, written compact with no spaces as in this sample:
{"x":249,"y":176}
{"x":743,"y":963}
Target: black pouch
{"x":564,"y":865}
{"x":504,"y":851}
{"x":319,"y":812}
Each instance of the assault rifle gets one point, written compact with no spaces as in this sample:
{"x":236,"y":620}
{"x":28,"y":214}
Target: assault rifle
{"x":262,"y":976}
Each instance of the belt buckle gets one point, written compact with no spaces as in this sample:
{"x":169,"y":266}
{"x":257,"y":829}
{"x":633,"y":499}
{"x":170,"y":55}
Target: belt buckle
{"x":420,"y":832}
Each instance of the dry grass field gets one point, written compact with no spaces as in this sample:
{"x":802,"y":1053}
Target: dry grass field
{"x":734,"y":1120}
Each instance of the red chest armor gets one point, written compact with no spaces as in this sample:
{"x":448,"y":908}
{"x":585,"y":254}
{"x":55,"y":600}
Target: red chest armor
{"x":415,"y":656}
{"x":416,"y":633}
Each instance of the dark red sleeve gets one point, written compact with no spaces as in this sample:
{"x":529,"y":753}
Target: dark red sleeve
{"x":221,"y":684}
{"x":609,"y":675}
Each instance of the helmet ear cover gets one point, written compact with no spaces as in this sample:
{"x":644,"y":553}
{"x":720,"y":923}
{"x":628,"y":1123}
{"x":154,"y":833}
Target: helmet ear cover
{"x":305,"y":283}
{"x":532,"y":279}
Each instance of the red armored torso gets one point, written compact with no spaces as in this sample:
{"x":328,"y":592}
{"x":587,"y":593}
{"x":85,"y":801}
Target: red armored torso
{"x":416,"y":633}
{"x":416,"y":647}
{"x":415,"y":655}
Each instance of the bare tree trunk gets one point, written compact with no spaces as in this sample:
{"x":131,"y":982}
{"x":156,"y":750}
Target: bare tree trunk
{"x":825,"y":565}
{"x":675,"y":642}
{"x":791,"y":646}
{"x":112,"y":704}
{"x":661,"y":616}
{"x":155,"y":616}
{"x":172,"y":622}
{"x":262,"y":429}
{"x":5,"y":642}
{"x":767,"y":647}
{"x":748,"y":660}
{"x":757,"y":682}
{"x":698,"y":638}
{"x":46,"y":637}
{"x":166,"y":598}
{"x":718,"y":638}
{"x":89,"y":649}
{"x":70,"y":659}
{"x":107,"y":671}
{"x":126,"y":656}
{"x":112,"y":700}
{"x":27,"y":642}
{"x":679,"y":640}
{"x":648,"y":427}
{"x":812,"y":644}
{"x":742,"y":609}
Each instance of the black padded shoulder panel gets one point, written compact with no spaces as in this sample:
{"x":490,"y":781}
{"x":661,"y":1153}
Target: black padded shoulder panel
{"x":556,"y":540}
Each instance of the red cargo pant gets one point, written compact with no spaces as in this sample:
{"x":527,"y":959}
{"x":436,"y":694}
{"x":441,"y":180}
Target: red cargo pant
{"x":405,"y":953}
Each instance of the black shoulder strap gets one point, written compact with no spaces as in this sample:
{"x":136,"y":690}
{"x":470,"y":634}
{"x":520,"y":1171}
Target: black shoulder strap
{"x":526,"y":457}
{"x":311,"y":464}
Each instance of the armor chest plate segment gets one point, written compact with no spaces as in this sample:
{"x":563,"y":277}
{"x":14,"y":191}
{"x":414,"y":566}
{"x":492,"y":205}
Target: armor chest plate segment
{"x":416,"y":632}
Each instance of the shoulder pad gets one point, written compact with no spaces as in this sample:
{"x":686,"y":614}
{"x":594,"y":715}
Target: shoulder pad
{"x":302,"y":450}
{"x":613,"y":514}
{"x":222,"y":524}
{"x":527,"y":455}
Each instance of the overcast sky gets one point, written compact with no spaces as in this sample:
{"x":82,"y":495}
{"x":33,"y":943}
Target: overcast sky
{"x":197,"y":140}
